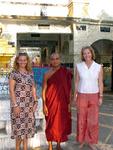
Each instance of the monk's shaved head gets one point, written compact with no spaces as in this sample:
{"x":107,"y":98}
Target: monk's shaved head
{"x":55,"y":54}
{"x":55,"y":59}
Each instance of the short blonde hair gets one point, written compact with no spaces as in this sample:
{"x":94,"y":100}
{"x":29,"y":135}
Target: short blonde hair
{"x":91,"y":50}
{"x":16,"y":65}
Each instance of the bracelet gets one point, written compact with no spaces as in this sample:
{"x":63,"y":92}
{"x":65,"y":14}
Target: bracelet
{"x":101,"y":95}
{"x":14,"y":105}
{"x":35,"y":102}
{"x":76,"y":95}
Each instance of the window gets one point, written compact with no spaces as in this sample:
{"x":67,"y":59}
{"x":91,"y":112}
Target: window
{"x":43,"y":11}
{"x":43,"y":26}
{"x":105,"y":29}
{"x":81,"y":27}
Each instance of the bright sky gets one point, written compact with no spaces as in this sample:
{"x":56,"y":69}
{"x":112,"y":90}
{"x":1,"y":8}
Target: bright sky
{"x":97,"y":7}
{"x":41,"y":1}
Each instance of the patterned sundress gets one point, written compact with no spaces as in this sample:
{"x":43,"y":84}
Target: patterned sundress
{"x":23,"y":125}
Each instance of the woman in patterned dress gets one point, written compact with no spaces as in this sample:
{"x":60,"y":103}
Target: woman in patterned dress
{"x":23,"y":100}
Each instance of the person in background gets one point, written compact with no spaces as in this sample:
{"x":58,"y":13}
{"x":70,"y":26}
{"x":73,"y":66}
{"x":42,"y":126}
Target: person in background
{"x":88,"y":96}
{"x":36,"y":62}
{"x":23,"y":100}
{"x":56,"y":95}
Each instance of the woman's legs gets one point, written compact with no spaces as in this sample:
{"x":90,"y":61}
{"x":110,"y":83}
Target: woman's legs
{"x":87,"y":119}
{"x":18,"y":143}
{"x":23,"y":141}
{"x":25,"y":144}
{"x":82,"y":108}
{"x":92,"y":121}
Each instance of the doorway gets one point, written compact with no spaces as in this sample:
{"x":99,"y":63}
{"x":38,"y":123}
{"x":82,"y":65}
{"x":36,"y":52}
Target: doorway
{"x":47,"y":43}
{"x":104,"y":55}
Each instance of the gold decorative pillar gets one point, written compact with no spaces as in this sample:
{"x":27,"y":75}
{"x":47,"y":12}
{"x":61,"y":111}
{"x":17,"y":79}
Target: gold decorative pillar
{"x":78,"y":8}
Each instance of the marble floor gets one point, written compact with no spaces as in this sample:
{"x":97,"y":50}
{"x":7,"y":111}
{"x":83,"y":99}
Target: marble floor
{"x":105,"y":133}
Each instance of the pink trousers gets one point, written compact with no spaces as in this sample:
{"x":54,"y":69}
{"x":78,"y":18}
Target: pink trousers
{"x":87,"y":118}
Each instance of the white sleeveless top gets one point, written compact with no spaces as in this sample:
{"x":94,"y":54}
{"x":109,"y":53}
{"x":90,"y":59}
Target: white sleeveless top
{"x":88,"y":82}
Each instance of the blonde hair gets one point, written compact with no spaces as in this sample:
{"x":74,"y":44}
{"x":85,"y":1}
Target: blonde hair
{"x":90,"y":49}
{"x":28,"y":65}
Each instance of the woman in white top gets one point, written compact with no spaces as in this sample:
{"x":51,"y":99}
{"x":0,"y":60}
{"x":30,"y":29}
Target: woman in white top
{"x":88,"y":97}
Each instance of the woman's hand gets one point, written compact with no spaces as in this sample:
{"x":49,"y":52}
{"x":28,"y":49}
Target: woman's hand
{"x":100,"y":101}
{"x":45,"y":110}
{"x":35,"y":106}
{"x":75,"y":99}
{"x":16,"y":110}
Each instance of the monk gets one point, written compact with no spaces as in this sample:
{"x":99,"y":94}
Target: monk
{"x":56,"y":95}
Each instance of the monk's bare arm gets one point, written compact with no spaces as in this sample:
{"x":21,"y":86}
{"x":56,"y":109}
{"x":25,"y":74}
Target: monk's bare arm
{"x":44,"y":87}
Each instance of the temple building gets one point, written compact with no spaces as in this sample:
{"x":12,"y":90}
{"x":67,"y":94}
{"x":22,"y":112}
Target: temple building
{"x":40,"y":27}
{"x":66,"y":26}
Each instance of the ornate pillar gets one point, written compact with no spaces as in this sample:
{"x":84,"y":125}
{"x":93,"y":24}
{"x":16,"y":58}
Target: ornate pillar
{"x":78,"y":8}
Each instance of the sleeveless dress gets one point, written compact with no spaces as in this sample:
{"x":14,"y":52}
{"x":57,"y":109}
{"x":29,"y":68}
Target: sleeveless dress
{"x":23,"y":125}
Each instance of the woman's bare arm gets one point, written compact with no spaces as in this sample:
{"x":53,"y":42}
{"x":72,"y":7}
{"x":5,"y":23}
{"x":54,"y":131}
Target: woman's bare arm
{"x":12,"y":93}
{"x":100,"y":81}
{"x":77,"y":78}
{"x":34,"y":92}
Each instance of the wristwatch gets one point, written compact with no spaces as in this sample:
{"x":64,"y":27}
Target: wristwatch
{"x":35,"y":102}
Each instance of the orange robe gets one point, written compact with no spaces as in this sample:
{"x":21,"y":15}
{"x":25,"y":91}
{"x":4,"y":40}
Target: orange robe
{"x":58,"y":121}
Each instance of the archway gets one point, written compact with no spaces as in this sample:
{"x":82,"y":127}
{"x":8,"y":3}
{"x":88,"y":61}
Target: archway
{"x":104,"y":55}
